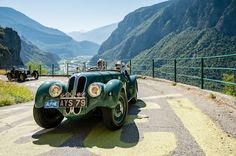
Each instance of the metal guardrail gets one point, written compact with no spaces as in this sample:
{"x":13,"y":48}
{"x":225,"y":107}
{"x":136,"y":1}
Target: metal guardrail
{"x":205,"y":72}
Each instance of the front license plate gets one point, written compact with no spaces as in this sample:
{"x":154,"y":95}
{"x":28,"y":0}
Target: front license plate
{"x":75,"y":102}
{"x":51,"y":104}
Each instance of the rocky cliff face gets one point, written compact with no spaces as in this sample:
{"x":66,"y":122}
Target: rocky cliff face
{"x":145,"y":27}
{"x":10,"y":47}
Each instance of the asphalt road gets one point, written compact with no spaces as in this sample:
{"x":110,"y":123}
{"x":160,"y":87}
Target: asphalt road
{"x":166,"y":120}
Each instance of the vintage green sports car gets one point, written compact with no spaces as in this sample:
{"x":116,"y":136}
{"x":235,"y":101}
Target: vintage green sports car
{"x":109,"y":91}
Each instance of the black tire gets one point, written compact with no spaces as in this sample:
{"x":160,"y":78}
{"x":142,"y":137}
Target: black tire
{"x":36,"y":75}
{"x":115,"y":118}
{"x":9,"y":76}
{"x":47,"y":118}
{"x":21,"y":77}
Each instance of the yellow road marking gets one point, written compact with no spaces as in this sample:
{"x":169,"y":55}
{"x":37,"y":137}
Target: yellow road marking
{"x":210,"y":138}
{"x":161,"y":96}
{"x":105,"y":142}
{"x":45,"y":143}
{"x":136,"y":119}
{"x":102,"y":141}
{"x":147,"y":105}
{"x":151,"y":105}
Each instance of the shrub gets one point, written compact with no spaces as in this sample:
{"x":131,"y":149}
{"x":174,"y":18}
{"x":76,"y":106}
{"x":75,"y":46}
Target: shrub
{"x":12,"y":93}
{"x":36,"y":66}
{"x":229,"y":89}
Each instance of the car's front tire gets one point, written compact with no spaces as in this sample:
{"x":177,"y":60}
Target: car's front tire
{"x":47,"y":118}
{"x":115,"y":118}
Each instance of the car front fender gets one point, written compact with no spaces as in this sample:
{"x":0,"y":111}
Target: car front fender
{"x":42,"y":93}
{"x":112,"y":91}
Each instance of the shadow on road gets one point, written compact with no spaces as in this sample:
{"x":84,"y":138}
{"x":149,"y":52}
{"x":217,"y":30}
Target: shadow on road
{"x":27,"y":80}
{"x":90,"y":132}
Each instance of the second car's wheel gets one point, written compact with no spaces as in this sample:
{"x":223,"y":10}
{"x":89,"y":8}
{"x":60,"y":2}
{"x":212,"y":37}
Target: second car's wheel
{"x":47,"y":118}
{"x":9,"y":76}
{"x":115,"y":118}
{"x":36,"y":75}
{"x":21,"y":77}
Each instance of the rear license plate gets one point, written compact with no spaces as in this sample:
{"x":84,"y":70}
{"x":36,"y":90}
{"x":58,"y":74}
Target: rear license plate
{"x":51,"y":104}
{"x":75,"y":102}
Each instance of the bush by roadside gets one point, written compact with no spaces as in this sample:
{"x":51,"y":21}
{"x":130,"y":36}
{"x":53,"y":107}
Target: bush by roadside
{"x":12,"y":93}
{"x":2,"y":72}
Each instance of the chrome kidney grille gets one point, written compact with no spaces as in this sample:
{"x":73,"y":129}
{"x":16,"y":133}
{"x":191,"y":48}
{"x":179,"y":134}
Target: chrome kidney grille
{"x":77,"y":85}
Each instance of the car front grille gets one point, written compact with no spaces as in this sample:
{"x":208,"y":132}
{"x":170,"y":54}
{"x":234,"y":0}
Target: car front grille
{"x":76,"y":84}
{"x":71,"y":84}
{"x":81,"y":84}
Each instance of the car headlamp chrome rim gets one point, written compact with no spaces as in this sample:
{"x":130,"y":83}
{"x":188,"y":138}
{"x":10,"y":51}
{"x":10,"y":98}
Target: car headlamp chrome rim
{"x":55,"y":90}
{"x":94,"y":90}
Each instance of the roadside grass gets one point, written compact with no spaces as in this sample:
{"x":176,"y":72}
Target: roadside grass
{"x":12,"y":93}
{"x":2,"y":72}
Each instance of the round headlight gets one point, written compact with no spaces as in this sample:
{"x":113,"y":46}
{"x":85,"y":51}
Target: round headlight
{"x":55,"y":90}
{"x":94,"y":90}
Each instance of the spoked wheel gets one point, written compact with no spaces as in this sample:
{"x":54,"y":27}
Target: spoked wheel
{"x":9,"y":76}
{"x":36,"y":75}
{"x":21,"y":77}
{"x":47,"y":118}
{"x":115,"y":118}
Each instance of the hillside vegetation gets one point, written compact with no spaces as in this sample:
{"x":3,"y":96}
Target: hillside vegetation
{"x":145,"y":27}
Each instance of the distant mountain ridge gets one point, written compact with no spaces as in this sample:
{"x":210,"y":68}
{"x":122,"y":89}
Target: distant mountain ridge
{"x":98,"y":35}
{"x":45,"y":38}
{"x":15,"y":51}
{"x":144,"y":28}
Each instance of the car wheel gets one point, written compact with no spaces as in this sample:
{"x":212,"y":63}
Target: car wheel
{"x":47,"y":118}
{"x":9,"y":77}
{"x":21,"y":77}
{"x":36,"y":75}
{"x":115,"y":118}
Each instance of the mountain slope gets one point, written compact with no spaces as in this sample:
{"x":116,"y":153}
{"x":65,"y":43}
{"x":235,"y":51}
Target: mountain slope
{"x":47,"y":39}
{"x":10,"y":46}
{"x":88,"y":48}
{"x":31,"y":53}
{"x":190,"y":43}
{"x":98,"y":35}
{"x":145,"y":27}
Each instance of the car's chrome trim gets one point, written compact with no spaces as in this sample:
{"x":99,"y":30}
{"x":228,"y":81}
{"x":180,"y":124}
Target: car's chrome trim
{"x":72,"y":111}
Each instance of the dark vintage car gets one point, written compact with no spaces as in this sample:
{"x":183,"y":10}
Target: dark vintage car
{"x":108,"y":91}
{"x":21,"y":74}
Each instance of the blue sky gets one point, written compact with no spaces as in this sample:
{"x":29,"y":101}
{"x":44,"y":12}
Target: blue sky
{"x":72,"y":15}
